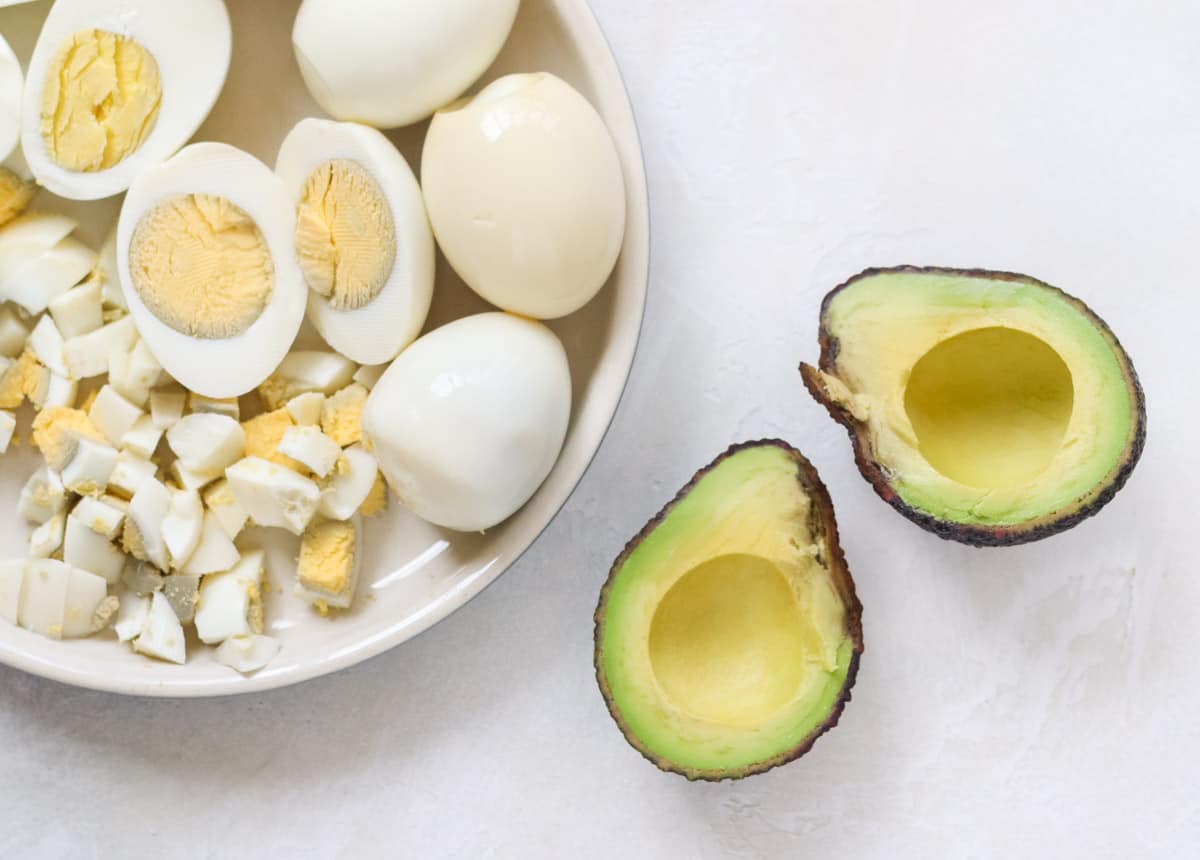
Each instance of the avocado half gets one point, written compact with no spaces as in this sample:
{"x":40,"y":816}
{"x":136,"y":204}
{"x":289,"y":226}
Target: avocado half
{"x":728,"y":634}
{"x":987,"y":407}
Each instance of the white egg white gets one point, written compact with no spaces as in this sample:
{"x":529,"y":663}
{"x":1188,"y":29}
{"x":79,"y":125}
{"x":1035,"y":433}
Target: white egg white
{"x":469,"y":420}
{"x":11,"y":84}
{"x":190,"y":40}
{"x":232,"y":366}
{"x":390,"y":64}
{"x":376,"y":332}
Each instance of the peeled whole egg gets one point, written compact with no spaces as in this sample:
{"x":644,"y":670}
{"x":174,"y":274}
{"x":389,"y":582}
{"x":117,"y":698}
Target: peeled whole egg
{"x":469,"y":420}
{"x":117,"y":86}
{"x":362,"y":237}
{"x":205,"y":260}
{"x":389,"y":63}
{"x":11,"y":83}
{"x":525,"y":193}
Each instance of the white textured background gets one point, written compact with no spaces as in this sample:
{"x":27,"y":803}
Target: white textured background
{"x":1033,"y":702}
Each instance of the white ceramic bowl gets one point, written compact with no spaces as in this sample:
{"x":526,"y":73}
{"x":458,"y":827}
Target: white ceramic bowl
{"x":414,"y":575}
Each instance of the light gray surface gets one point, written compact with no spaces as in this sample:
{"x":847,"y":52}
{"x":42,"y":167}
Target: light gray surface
{"x":1031,"y":702}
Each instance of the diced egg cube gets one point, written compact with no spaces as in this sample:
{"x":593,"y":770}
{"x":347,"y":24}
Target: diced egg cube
{"x":87,"y":354}
{"x":88,"y":550}
{"x":56,"y":431}
{"x":113,"y":414}
{"x":229,"y":406}
{"x":143,"y":537}
{"x":134,"y":373}
{"x":46,"y":343}
{"x":88,"y":607}
{"x":349,"y":484}
{"x":162,"y":634}
{"x":131,"y":617}
{"x":42,"y":497}
{"x":221,"y":502}
{"x":142,"y":577}
{"x":182,"y":525}
{"x":60,"y":392}
{"x":46,"y":276}
{"x":78,"y":310}
{"x":100,"y":516}
{"x":330,"y":559}
{"x":48,"y":537}
{"x":264,"y":433}
{"x":231,"y":602}
{"x":37,"y":384}
{"x":273,"y":495}
{"x":215,"y":551}
{"x":207,"y":442}
{"x":142,"y":438}
{"x":305,"y":409}
{"x":44,"y":597}
{"x":12,"y":581}
{"x":341,"y":416}
{"x":129,"y":473}
{"x":32,"y":233}
{"x":377,"y":500}
{"x":13,"y":333}
{"x":182,"y":592}
{"x":308,"y":445}
{"x":369,"y":374}
{"x":191,"y":479}
{"x":89,"y":467}
{"x":8,"y":426}
{"x":166,"y":408}
{"x":247,"y":654}
{"x":107,"y":274}
{"x":306,"y":370}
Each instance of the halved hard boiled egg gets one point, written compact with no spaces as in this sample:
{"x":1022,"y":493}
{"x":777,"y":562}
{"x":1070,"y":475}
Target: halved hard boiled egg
{"x":525,"y":194}
{"x":404,"y":61}
{"x":205,"y":258}
{"x":116,"y":86}
{"x":362,"y":238}
{"x":469,"y":420}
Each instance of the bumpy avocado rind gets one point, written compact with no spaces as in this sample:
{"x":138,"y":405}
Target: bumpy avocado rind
{"x":739,"y":580}
{"x":871,"y":326}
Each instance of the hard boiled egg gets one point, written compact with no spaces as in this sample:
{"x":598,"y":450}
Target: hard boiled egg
{"x":362,"y":237}
{"x":11,"y":84}
{"x":390,"y":64}
{"x":525,"y":194}
{"x":205,"y":257}
{"x":116,"y":86}
{"x":469,"y":420}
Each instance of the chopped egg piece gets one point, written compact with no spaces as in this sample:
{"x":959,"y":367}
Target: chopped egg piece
{"x":88,"y":608}
{"x":130,"y":472}
{"x":330,"y":560}
{"x":100,"y":516}
{"x":221,"y":502}
{"x":89,"y":467}
{"x":182,"y":592}
{"x":214,"y":553}
{"x":108,"y":274}
{"x":48,"y":537}
{"x":113,"y":414}
{"x":191,"y":479}
{"x":79,"y":310}
{"x":274,"y":496}
{"x":44,"y":597}
{"x":206,"y":443}
{"x":349,"y":484}
{"x":227,"y":406}
{"x":12,"y":581}
{"x":42,"y":497}
{"x":303,"y":371}
{"x":39,"y":261}
{"x":87,"y":355}
{"x":16,"y":193}
{"x":247,"y":654}
{"x":56,"y":431}
{"x":86,"y":549}
{"x":161,"y":635}
{"x":182,"y":525}
{"x":166,"y":408}
{"x":24,"y":379}
{"x":310,"y":446}
{"x":369,"y":374}
{"x":131,"y":617}
{"x":265,"y":432}
{"x":377,"y":500}
{"x":8,"y":426}
{"x":230,"y":603}
{"x":142,"y":577}
{"x":61,"y":392}
{"x":142,"y":438}
{"x":143,"y":537}
{"x":134,"y":373}
{"x":13,"y":333}
{"x":341,"y":416}
{"x":305,"y":409}
{"x":46,"y":343}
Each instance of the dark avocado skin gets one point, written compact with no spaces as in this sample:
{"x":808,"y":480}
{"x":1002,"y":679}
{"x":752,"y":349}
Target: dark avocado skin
{"x":980,"y":536}
{"x":822,"y":523}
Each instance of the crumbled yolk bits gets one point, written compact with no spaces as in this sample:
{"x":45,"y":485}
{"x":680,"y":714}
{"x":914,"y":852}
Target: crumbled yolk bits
{"x":341,"y":415}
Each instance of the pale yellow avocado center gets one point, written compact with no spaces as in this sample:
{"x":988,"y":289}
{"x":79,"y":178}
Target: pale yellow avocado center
{"x":201,"y":265}
{"x":727,"y":643}
{"x":345,"y":235}
{"x":15,"y":194}
{"x":990,"y":407}
{"x":100,"y":101}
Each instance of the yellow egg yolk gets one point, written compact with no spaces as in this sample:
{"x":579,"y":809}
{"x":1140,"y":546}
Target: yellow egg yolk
{"x":56,"y":431}
{"x":100,"y":101}
{"x":264,"y":433}
{"x":15,"y":194}
{"x":326,"y":564}
{"x":341,"y":415}
{"x":201,"y":265}
{"x":345,"y":236}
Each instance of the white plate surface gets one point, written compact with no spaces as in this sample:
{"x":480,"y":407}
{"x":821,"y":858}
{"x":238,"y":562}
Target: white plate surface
{"x":414,"y":574}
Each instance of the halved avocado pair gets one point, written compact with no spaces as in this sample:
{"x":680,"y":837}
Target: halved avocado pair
{"x":989,"y":408}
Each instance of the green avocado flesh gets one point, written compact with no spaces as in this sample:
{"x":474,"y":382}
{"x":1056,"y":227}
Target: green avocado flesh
{"x":728,"y":634}
{"x":989,"y":407}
